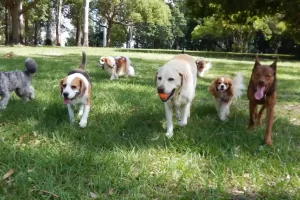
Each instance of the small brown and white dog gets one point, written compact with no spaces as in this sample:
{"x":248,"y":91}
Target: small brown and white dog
{"x":76,"y":90}
{"x":176,"y":83}
{"x":117,"y":66}
{"x":202,"y":66}
{"x":224,"y":90}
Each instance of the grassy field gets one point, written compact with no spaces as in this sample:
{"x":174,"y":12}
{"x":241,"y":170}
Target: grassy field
{"x":123,"y":152}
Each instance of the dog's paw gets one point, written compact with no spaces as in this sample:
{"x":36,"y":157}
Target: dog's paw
{"x":169,"y":134}
{"x":82,"y":123}
{"x":182,"y":123}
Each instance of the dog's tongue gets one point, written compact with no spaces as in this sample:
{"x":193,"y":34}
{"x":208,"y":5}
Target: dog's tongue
{"x":259,"y":92}
{"x":66,"y":101}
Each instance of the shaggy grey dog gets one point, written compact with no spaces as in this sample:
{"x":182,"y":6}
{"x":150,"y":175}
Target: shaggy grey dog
{"x":18,"y":81}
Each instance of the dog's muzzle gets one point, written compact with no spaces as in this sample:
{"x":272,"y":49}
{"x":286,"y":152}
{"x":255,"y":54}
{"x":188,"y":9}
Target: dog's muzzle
{"x":163,"y":96}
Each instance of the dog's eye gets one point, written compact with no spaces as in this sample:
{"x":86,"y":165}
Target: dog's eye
{"x":64,"y":85}
{"x":159,"y":78}
{"x":171,"y":79}
{"x":218,"y":82}
{"x":73,"y":87}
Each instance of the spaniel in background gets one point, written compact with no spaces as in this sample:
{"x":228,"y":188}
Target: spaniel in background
{"x":117,"y":66}
{"x":202,"y":66}
{"x":224,"y":90}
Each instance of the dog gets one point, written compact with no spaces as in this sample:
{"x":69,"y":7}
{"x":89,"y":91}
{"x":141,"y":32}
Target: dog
{"x":176,"y":83}
{"x":224,"y":90}
{"x":76,"y":90}
{"x":18,"y":81}
{"x":117,"y":66}
{"x":202,"y":66}
{"x":262,"y":91}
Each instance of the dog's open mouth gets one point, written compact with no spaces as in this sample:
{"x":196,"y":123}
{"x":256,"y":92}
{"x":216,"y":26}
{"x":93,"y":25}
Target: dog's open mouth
{"x":165,"y":97}
{"x":67,"y":101}
{"x":259,"y":94}
{"x":221,"y":90}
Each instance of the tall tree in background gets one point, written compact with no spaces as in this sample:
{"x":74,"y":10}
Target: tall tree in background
{"x":58,"y":23}
{"x":50,"y":29}
{"x":86,"y":24}
{"x":16,"y":9}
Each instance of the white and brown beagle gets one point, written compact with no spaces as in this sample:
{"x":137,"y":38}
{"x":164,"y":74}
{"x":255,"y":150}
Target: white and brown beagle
{"x":117,"y":66}
{"x":76,"y":90}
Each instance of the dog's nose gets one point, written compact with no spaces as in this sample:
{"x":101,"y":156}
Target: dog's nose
{"x":222,"y":86}
{"x":66,"y":94}
{"x":261,"y":82}
{"x":160,"y":89}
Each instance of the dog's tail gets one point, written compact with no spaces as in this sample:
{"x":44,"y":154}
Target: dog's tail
{"x":128,"y":62}
{"x":31,"y":66}
{"x":83,"y":62}
{"x":238,"y":85}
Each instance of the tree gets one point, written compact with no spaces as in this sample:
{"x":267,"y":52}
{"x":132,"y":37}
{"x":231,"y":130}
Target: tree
{"x":16,"y":9}
{"x":86,"y":24}
{"x":58,"y":22}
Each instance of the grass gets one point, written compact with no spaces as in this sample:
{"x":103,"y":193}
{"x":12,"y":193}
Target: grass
{"x":123,"y":153}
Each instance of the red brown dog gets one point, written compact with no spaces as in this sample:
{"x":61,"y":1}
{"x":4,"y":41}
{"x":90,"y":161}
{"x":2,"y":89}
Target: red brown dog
{"x":262,"y":91}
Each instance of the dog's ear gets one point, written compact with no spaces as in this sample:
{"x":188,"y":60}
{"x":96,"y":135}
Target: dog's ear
{"x":184,"y":80}
{"x":109,"y":62}
{"x":61,"y":86}
{"x":257,"y":63}
{"x":274,"y":64}
{"x":155,"y":79}
{"x":212,"y":89}
{"x":82,"y":87}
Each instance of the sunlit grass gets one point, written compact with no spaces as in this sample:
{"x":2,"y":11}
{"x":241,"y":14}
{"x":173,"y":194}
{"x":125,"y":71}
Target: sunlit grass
{"x":123,"y":153}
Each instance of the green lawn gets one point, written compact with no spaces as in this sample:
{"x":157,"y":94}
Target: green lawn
{"x":123,"y":152}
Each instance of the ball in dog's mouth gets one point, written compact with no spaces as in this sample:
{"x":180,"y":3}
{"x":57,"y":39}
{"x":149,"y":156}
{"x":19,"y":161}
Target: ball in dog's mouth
{"x":165,"y":97}
{"x":67,"y":101}
{"x":259,"y":94}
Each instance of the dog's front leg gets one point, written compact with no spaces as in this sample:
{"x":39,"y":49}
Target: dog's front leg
{"x":4,"y":100}
{"x":71,"y":113}
{"x":185,"y":114}
{"x":252,"y":113}
{"x":85,"y":115}
{"x":169,"y":113}
{"x":224,"y":111}
{"x":269,"y":124}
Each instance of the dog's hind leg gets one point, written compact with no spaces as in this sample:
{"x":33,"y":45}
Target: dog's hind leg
{"x":252,"y":113}
{"x":185,"y":114}
{"x":4,"y":100}
{"x":259,"y":116}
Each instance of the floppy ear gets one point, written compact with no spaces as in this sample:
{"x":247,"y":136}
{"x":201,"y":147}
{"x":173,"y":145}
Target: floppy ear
{"x":61,"y":86}
{"x":212,"y":89}
{"x":183,"y":80}
{"x":155,"y":79}
{"x":82,"y":88}
{"x":109,"y":62}
{"x":274,"y":64}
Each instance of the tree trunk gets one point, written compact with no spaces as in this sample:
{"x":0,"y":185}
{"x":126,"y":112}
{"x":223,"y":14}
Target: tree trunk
{"x":36,"y":32}
{"x":109,"y":28}
{"x":26,"y":31}
{"x":22,"y":26}
{"x":86,"y":24}
{"x":58,"y":23}
{"x":14,"y":11}
{"x":105,"y":34}
{"x":6,"y":27}
{"x":78,"y":33}
{"x":50,"y":23}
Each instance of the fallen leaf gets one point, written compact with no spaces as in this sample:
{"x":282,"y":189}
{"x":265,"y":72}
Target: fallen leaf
{"x":93,"y":195}
{"x":111,"y":191}
{"x":8,"y":174}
